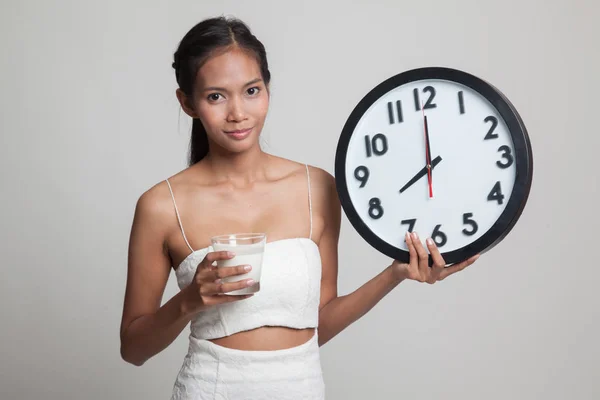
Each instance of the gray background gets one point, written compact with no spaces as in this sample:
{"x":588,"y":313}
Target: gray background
{"x":90,"y":121}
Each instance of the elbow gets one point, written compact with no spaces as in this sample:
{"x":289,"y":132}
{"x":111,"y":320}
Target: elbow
{"x":128,"y":356}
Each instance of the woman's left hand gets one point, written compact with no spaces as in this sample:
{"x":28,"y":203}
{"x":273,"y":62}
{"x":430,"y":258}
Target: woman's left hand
{"x":418,"y":268}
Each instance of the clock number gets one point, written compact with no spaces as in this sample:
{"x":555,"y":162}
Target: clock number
{"x":491,"y":134}
{"x":468,"y":220}
{"x":375,"y":209}
{"x":438,"y":236}
{"x":378,"y":145}
{"x":496,"y":194}
{"x":391,"y":111}
{"x":461,"y":102}
{"x":362,"y":174}
{"x":410,"y":222}
{"x":429,"y":103}
{"x":505,"y":154}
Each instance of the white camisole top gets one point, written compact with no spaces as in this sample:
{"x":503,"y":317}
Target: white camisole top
{"x":289,"y":294}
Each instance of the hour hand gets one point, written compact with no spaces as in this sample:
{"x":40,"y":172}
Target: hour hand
{"x":421,"y":173}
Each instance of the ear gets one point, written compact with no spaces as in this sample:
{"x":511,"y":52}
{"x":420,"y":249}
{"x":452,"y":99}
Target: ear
{"x":186,"y":103}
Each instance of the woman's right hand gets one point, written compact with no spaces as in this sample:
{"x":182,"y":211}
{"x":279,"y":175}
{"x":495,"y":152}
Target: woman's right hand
{"x":207,"y":288}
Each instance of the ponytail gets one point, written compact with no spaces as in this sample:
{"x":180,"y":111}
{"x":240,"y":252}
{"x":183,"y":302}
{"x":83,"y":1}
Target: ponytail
{"x":198,"y":142}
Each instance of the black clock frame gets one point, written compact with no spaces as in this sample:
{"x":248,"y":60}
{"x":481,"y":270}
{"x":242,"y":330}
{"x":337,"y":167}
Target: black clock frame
{"x":523,"y":159}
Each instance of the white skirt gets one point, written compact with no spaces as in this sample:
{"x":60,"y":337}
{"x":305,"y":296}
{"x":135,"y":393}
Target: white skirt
{"x":215,"y":372}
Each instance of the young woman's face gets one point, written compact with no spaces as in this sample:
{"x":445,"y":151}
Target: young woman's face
{"x":231,"y":100}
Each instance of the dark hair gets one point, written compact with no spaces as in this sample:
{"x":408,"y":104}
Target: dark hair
{"x":194,"y":50}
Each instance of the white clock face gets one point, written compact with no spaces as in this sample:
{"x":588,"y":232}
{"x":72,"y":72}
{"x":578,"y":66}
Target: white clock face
{"x":471,"y":151}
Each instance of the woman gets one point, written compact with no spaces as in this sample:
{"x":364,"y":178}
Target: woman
{"x":266,"y":344}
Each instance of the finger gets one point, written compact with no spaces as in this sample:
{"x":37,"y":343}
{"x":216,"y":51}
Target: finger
{"x":219,"y":287}
{"x":438,"y":261}
{"x":458,"y":267}
{"x":223,"y":272}
{"x":206,"y":274}
{"x":412,"y":251}
{"x":423,"y":255}
{"x":216,"y":256}
{"x":231,"y":286}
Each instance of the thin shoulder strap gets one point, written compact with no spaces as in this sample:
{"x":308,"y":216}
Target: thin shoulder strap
{"x":178,"y":218}
{"x":309,"y":200}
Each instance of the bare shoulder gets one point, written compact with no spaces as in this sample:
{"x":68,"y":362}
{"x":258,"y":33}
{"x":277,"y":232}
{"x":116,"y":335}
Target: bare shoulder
{"x":321,"y":180}
{"x":325,"y":198}
{"x":324,"y":186}
{"x":154,"y":208}
{"x":157,"y":201}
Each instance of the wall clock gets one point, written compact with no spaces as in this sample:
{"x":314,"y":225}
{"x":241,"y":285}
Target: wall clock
{"x":437,"y":151}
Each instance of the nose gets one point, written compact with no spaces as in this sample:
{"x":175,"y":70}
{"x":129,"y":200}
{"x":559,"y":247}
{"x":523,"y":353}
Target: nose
{"x":236,"y":111}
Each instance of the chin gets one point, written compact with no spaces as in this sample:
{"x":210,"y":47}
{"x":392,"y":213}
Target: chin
{"x":239,"y":146}
{"x":242,"y":148}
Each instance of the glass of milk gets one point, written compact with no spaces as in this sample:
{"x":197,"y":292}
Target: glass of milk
{"x":248,"y":249}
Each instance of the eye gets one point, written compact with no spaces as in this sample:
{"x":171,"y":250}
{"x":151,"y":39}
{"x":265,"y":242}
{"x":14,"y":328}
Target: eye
{"x":213,"y":96}
{"x":254,"y":90}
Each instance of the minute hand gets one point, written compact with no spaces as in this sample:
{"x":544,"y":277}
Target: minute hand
{"x":421,"y":174}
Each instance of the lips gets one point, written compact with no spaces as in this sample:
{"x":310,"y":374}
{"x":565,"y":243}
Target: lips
{"x":239,"y":134}
{"x":239,"y":131}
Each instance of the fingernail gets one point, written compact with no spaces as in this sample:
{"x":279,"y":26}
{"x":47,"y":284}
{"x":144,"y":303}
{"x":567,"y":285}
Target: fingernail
{"x":250,"y":282}
{"x":430,"y":241}
{"x":230,"y":254}
{"x":218,"y":281}
{"x":247,"y":267}
{"x":415,"y":236}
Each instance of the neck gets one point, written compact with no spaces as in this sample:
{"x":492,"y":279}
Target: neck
{"x":240,"y":169}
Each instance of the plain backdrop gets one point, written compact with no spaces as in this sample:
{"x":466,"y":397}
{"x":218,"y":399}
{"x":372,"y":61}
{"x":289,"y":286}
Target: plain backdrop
{"x":90,"y":121}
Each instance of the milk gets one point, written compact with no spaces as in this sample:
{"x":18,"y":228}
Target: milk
{"x":245,"y":254}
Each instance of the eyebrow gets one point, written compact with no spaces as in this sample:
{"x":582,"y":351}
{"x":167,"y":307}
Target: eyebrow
{"x":220,"y":89}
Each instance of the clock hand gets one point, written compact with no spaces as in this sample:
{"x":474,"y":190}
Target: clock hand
{"x":421,"y":173}
{"x":428,"y":155}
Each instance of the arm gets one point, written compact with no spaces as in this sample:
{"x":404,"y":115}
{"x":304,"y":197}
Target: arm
{"x":342,"y":311}
{"x":338,"y":312}
{"x":147,"y":328}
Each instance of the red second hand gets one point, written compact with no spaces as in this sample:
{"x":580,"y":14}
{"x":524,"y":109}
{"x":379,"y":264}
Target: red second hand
{"x":427,"y":159}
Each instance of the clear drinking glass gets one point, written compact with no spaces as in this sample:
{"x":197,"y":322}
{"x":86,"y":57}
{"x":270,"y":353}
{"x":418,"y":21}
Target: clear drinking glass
{"x":248,"y":249}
